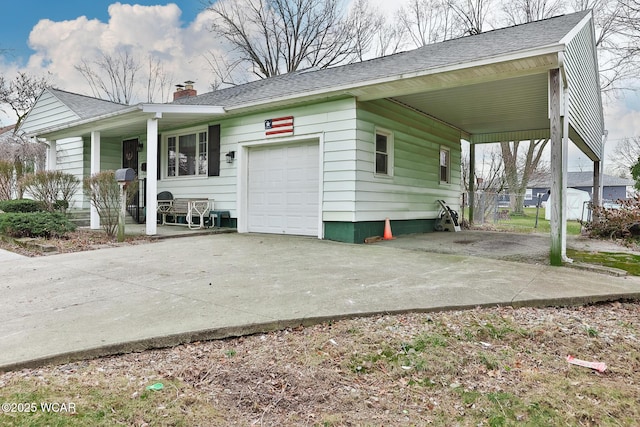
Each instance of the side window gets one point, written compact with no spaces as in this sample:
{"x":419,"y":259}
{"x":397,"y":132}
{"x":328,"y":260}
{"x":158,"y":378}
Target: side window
{"x":445,"y":166}
{"x":384,"y":153}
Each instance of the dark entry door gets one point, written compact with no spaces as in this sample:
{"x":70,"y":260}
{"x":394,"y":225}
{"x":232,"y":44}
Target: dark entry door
{"x":130,"y":154}
{"x":135,"y":205}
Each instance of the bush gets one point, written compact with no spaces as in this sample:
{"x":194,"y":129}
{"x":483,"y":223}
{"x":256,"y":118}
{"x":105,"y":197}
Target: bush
{"x":35,"y":224}
{"x":104,"y":192}
{"x":616,"y":223}
{"x":53,"y":188}
{"x":21,"y":205}
{"x":7,"y":180}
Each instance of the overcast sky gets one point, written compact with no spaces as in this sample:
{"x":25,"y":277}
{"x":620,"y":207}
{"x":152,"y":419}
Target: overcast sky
{"x":44,"y":36}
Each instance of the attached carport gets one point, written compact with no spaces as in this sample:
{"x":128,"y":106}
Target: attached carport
{"x":533,"y":81}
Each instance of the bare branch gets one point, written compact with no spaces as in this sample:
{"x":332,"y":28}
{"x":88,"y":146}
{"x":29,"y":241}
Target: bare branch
{"x":112,"y":76}
{"x":21,"y":93}
{"x":280,"y":36}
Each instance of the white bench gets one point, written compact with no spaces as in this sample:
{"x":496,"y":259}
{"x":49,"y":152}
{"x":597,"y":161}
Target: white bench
{"x":187,"y":208}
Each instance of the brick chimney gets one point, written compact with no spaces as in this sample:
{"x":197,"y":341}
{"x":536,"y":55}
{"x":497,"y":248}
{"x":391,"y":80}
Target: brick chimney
{"x":185,"y":90}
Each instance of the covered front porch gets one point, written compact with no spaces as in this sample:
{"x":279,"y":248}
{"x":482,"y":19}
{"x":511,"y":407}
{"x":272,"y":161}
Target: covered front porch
{"x":134,"y":135}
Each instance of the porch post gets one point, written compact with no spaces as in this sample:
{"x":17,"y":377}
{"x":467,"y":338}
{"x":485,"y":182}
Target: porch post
{"x":152,"y":176}
{"x":558,"y":160}
{"x":472,"y":181}
{"x":95,"y":168}
{"x":52,"y":154}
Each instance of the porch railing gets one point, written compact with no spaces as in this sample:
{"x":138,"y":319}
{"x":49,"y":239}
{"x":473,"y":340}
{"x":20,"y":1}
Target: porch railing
{"x":136,"y":205}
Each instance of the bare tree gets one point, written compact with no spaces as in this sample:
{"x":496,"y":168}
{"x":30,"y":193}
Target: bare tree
{"x":519,"y":167}
{"x":21,"y":93}
{"x":117,"y":77}
{"x":489,"y":182}
{"x":111,"y":77}
{"x":159,"y":83}
{"x":280,"y":36}
{"x":226,"y":72}
{"x":522,"y":11}
{"x":470,"y":14}
{"x":365,"y":22}
{"x":389,"y":39}
{"x":427,"y":21}
{"x":625,"y":154}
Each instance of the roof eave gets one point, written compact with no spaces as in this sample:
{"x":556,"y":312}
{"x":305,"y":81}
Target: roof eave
{"x":159,"y":109}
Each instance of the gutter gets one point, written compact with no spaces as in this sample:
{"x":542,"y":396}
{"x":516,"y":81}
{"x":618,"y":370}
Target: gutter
{"x":156,"y":109}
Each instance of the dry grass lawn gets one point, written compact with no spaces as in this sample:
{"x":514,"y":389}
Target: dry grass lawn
{"x":484,"y":367}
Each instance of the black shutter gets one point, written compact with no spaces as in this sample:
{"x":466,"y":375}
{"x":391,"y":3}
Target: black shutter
{"x":214,"y":150}
{"x":159,"y":172}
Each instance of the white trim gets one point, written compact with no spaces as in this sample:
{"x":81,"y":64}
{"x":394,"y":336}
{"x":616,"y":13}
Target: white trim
{"x":448,"y":165}
{"x":164,"y":145}
{"x":95,"y":168}
{"x":242,"y":156}
{"x":181,"y":109}
{"x":152,"y":177}
{"x":576,"y":29}
{"x":390,"y":152}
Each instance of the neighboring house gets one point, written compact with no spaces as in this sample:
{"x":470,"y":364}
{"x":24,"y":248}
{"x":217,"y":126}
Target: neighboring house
{"x":331,"y":153}
{"x":613,"y":187}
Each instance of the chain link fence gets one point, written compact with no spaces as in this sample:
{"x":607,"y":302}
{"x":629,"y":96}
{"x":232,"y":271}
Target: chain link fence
{"x":492,"y":207}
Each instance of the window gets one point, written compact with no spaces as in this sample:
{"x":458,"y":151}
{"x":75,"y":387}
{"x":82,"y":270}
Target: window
{"x":187,"y":155}
{"x":445,"y":166}
{"x":384,"y":153}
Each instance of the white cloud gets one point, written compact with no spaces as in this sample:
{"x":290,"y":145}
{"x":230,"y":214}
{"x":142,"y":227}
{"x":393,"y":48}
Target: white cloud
{"x":142,"y":30}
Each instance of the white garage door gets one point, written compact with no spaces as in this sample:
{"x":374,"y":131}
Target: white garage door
{"x":283,"y":189}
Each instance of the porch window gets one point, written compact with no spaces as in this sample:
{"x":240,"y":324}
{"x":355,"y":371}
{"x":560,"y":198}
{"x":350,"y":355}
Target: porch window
{"x":187,"y":155}
{"x":384,"y":152}
{"x":445,"y":166}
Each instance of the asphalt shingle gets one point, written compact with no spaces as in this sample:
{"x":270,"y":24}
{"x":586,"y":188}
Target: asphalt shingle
{"x":457,"y":51}
{"x":86,"y":106}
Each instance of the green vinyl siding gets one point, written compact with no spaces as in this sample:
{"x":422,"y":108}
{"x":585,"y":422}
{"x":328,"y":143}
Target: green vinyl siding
{"x":585,"y":113}
{"x":413,"y":190}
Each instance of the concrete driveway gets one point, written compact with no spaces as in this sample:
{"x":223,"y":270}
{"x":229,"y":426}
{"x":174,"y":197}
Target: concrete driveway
{"x":72,"y":306}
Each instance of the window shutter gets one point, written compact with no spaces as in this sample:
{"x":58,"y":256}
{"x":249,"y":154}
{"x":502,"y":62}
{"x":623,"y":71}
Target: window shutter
{"x":214,"y":150}
{"x":159,"y":163}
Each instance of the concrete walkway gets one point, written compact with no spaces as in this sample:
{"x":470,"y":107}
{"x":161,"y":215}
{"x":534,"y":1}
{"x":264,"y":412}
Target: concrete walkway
{"x":9,"y":256}
{"x":72,"y":306}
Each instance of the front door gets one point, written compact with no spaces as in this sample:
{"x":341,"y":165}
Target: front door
{"x":130,"y":160}
{"x":130,"y":154}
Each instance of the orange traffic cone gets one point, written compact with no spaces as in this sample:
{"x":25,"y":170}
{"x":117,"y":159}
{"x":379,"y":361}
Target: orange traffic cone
{"x":387,"y":230}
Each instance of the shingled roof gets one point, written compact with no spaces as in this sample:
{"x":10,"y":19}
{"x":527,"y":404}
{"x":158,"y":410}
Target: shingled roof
{"x":86,"y":106}
{"x":436,"y":56}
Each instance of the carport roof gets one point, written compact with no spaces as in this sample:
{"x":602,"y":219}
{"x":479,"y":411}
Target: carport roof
{"x":522,"y":40}
{"x":491,"y":86}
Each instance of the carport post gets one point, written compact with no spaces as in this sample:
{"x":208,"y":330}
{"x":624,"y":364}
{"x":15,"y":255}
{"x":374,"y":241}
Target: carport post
{"x":559,"y":146}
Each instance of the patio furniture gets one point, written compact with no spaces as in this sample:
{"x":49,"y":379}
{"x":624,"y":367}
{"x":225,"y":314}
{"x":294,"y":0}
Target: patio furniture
{"x":186,"y":208}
